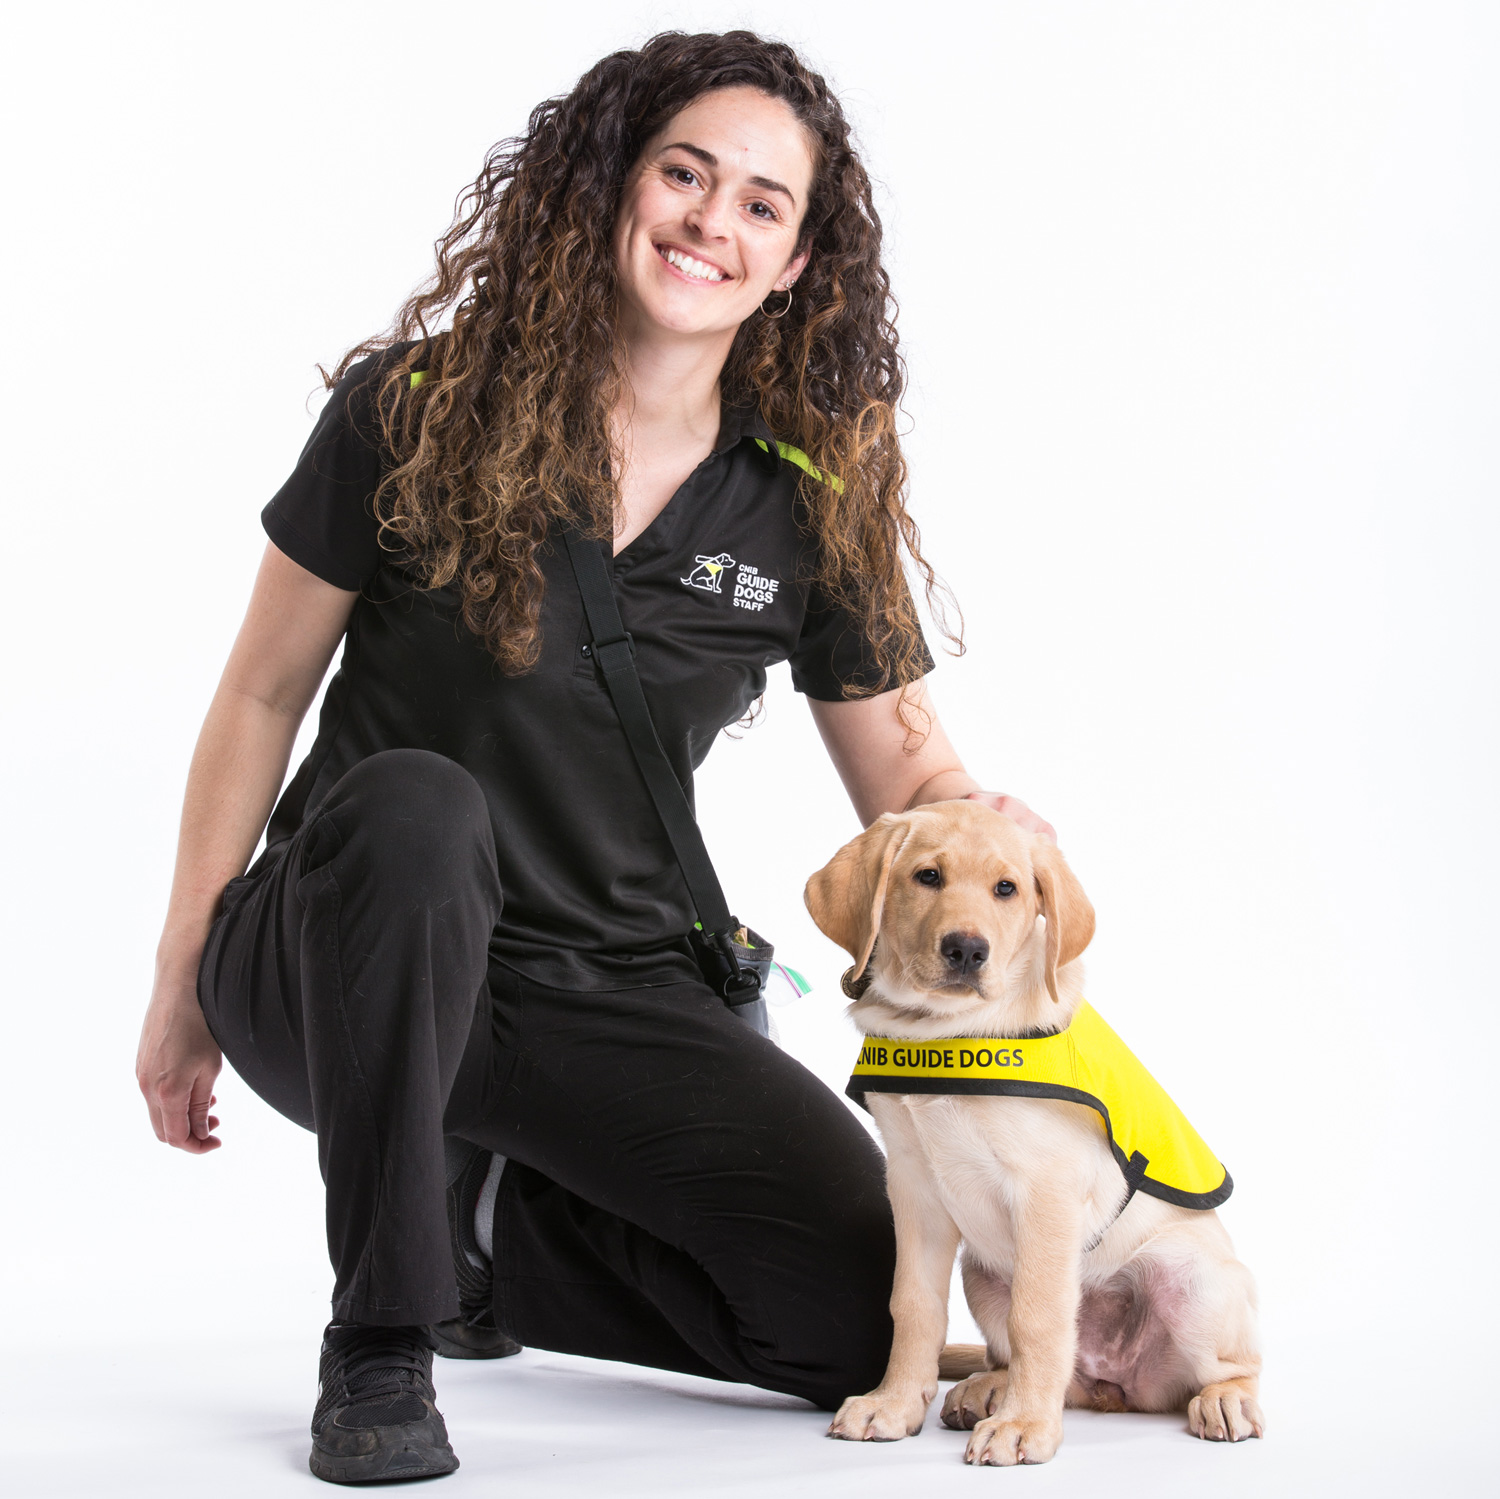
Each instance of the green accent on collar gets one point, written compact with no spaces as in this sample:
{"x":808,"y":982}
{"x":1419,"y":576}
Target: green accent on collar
{"x":797,"y":456}
{"x":417,"y":377}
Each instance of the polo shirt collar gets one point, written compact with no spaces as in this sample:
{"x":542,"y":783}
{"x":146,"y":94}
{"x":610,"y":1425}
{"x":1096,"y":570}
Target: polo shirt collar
{"x":736,"y":423}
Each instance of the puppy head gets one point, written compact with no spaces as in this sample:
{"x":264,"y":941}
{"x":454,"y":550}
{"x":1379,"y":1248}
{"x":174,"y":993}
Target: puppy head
{"x":943,"y":901}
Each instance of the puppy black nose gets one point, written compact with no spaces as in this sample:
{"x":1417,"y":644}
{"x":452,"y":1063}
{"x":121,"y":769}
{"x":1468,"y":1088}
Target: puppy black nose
{"x":963,"y":952}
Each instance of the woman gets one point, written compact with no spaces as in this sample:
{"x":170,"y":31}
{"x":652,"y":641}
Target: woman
{"x":467,"y":922}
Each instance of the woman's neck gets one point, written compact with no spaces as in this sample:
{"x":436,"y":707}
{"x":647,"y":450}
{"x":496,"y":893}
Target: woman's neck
{"x":666,"y":424}
{"x":672,"y":386}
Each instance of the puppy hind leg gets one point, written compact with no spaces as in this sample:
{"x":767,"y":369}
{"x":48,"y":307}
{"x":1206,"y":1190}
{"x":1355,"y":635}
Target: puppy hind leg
{"x":1227,"y":1411}
{"x":988,"y":1296}
{"x":1208,"y":1307}
{"x":978,"y":1396}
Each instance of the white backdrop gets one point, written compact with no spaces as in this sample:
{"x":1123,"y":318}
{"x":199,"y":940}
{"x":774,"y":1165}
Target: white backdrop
{"x":1200,"y":309}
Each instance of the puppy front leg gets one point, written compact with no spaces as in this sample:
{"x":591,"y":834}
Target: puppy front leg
{"x":1043,"y":1329}
{"x":926,"y":1242}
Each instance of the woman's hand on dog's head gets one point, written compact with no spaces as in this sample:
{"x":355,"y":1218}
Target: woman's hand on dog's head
{"x":1018,"y":812}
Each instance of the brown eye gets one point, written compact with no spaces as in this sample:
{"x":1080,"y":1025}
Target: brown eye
{"x":928,"y":877}
{"x":1005,"y":889}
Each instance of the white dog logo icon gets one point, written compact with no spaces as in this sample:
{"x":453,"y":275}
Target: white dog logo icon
{"x":709,"y":573}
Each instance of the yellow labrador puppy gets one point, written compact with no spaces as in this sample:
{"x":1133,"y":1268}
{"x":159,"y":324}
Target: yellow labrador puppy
{"x":1093,"y":1260}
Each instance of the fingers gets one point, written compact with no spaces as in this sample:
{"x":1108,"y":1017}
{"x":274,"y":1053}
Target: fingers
{"x":198,"y":1107}
{"x":180,"y":1113}
{"x":176,"y":1065}
{"x":1018,"y":812}
{"x":151,"y":1108}
{"x":190,"y":1125}
{"x":173,"y":1101}
{"x":1022,"y":815}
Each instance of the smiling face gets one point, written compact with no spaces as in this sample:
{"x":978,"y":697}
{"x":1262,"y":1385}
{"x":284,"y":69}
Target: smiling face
{"x":708,"y":221}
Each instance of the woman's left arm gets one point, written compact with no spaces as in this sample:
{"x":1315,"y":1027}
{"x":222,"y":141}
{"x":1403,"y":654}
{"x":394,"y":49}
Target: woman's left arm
{"x":867,"y":743}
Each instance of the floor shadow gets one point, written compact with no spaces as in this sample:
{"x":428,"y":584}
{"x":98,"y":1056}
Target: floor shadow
{"x":646,"y":1383}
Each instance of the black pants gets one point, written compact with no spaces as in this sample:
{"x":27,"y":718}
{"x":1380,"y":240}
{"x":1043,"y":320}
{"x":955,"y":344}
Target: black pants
{"x":680,"y":1192}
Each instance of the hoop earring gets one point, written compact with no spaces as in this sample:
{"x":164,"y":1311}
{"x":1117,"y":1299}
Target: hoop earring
{"x":784,"y":310}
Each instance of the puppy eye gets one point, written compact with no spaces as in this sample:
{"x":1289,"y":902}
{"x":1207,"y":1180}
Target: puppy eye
{"x":1005,"y":889}
{"x":928,"y":877}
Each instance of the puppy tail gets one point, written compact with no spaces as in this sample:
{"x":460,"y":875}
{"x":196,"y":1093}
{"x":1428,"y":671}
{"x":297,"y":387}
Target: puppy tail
{"x":960,"y":1360}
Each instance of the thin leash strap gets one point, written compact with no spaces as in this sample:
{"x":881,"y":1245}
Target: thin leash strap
{"x":614,"y":650}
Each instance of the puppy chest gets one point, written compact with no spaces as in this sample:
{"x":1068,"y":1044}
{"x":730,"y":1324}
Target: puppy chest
{"x":986,"y":1154}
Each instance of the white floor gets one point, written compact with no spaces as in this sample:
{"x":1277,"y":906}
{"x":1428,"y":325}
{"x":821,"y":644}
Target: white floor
{"x":177,"y":1421}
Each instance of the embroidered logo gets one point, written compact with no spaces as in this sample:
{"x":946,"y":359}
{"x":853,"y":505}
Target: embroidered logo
{"x":752,"y":589}
{"x":709,"y":573}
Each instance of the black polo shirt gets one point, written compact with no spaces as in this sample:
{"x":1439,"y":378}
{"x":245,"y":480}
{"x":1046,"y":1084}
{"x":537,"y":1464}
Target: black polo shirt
{"x":714,"y":592}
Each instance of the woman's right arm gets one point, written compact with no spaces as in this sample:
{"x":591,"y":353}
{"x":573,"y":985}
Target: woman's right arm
{"x":291,"y":630}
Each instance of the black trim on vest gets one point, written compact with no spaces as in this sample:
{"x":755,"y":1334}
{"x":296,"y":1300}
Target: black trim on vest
{"x":1133,"y":1168}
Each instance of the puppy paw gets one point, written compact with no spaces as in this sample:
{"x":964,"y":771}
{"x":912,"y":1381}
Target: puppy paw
{"x":1006,"y":1442}
{"x":974,"y":1398}
{"x":878,"y":1418}
{"x":1225,"y":1413}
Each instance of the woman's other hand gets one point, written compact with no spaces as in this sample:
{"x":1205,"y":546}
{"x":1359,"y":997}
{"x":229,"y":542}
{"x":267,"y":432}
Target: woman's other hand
{"x":291,"y":630}
{"x":175,"y":1065}
{"x":1017,"y":810}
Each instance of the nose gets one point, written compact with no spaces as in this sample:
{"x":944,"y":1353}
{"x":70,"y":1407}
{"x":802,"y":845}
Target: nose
{"x":709,"y":216}
{"x":963,"y":952}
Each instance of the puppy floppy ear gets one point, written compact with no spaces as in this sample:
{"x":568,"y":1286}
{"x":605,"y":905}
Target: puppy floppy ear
{"x":846,"y":896}
{"x":1070,"y":917}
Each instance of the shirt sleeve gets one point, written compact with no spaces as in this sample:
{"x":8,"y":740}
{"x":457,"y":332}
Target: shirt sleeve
{"x":323,"y":517}
{"x":833,"y":652}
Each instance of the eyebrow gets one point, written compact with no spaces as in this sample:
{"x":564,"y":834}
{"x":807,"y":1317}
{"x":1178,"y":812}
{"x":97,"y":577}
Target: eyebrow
{"x":766,"y":184}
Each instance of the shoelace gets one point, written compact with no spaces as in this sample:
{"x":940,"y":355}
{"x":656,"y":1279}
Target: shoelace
{"x":367,"y":1362}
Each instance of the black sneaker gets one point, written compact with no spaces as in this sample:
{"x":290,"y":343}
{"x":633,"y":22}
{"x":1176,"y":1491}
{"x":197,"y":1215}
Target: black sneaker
{"x":376,"y":1420}
{"x":473,"y":1333}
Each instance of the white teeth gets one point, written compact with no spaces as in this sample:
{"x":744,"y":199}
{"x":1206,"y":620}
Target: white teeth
{"x":690,"y":267}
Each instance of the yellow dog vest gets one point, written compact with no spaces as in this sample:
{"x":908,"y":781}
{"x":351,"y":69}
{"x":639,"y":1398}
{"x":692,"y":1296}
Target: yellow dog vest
{"x":1157,"y":1149}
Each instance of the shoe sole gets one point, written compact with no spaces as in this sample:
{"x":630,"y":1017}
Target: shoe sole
{"x":456,"y":1340}
{"x":394,"y":1460}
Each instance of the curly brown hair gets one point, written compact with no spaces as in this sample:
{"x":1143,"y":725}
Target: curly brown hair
{"x":508,"y":432}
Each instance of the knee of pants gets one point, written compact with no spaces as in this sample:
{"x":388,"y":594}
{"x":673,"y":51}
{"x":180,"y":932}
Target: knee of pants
{"x":864,"y":1267}
{"x":414,"y":821}
{"x":838,"y":1333}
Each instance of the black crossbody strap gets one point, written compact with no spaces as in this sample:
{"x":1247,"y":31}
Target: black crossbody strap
{"x":614,"y":650}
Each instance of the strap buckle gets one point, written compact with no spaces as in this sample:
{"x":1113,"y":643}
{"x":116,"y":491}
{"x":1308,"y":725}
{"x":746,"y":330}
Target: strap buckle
{"x":595,"y":649}
{"x":741,"y":984}
{"x":740,"y":988}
